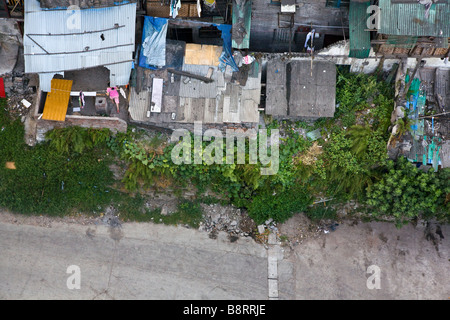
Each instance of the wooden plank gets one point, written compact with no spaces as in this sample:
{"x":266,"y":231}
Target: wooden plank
{"x":190,"y":75}
{"x":157,"y":89}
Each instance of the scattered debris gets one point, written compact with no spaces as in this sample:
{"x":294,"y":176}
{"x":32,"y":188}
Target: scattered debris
{"x":229,"y":219}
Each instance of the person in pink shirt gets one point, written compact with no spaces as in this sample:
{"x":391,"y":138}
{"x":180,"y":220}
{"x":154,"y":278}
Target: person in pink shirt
{"x":114,"y":95}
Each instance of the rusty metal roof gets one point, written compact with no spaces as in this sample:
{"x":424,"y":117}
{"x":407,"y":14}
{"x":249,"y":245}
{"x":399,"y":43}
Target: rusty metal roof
{"x":408,"y":19}
{"x":57,"y":101}
{"x":242,"y":20}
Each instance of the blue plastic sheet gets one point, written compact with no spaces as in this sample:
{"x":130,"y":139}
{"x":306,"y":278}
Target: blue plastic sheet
{"x":226,"y":58}
{"x":155,"y":30}
{"x":153,"y":49}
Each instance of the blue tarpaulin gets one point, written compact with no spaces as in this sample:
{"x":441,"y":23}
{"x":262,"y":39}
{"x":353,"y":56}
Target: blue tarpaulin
{"x":153,"y":49}
{"x":226,"y":58}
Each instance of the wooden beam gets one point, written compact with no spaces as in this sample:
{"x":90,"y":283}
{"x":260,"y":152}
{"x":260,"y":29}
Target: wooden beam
{"x":190,"y":75}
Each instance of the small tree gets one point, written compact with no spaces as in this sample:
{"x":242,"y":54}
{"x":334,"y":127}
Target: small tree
{"x":406,"y":192}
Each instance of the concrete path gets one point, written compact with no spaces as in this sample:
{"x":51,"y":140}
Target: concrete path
{"x":137,"y":261}
{"x":410,"y":263}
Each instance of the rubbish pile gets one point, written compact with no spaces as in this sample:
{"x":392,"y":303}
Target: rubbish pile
{"x":20,"y":94}
{"x":228,"y":219}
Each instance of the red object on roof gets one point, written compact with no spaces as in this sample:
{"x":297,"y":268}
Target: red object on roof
{"x":2,"y":89}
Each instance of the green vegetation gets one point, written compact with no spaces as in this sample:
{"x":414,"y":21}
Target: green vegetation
{"x":188,"y":213}
{"x":70,"y":171}
{"x":405,"y":192}
{"x":52,"y":178}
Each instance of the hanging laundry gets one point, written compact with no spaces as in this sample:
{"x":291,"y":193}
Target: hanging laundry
{"x":199,"y":8}
{"x":175,"y":5}
{"x":81,"y":100}
{"x":248,"y":59}
{"x":210,"y":3}
{"x":309,"y":46}
{"x":427,"y":4}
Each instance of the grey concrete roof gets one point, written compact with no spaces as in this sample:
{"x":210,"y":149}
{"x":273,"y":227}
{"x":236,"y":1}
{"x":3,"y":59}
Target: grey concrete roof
{"x":294,"y":91}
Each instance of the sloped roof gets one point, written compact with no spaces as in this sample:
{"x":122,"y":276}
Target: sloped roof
{"x":359,"y":38}
{"x":408,"y":19}
{"x":57,"y":101}
{"x":82,"y":4}
{"x":54,"y":42}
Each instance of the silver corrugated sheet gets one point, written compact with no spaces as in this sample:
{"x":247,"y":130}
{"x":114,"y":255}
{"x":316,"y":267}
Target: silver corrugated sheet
{"x":45,"y":80}
{"x":408,"y":19}
{"x":80,"y":39}
{"x":199,"y":89}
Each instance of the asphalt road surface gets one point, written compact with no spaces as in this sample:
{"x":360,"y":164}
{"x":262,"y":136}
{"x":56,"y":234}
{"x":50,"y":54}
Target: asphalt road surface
{"x":40,"y":260}
{"x":136,"y":261}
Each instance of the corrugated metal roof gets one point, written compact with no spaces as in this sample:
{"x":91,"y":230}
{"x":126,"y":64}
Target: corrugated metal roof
{"x":82,"y":3}
{"x":241,"y":20}
{"x":408,"y":19}
{"x":359,"y":39}
{"x":55,"y":42}
{"x":57,"y":101}
{"x":216,"y":102}
{"x":199,"y":89}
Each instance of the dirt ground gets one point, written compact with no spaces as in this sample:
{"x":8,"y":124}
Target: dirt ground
{"x":413,"y":261}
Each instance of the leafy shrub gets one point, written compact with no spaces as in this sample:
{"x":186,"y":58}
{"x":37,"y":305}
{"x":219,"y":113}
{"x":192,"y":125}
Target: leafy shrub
{"x":406,"y":192}
{"x":279,"y":206}
{"x":77,"y":139}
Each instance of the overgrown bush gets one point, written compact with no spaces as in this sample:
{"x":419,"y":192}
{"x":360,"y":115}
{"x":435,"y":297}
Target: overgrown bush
{"x":406,"y":192}
{"x":279,"y":206}
{"x":52,"y":178}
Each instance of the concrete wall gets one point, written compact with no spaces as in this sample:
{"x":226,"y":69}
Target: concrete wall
{"x":170,"y":126}
{"x":338,"y":53}
{"x":114,"y":124}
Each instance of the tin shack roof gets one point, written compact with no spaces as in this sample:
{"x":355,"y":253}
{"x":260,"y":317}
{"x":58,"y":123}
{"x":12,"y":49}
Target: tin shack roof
{"x":82,"y":4}
{"x":359,"y":37}
{"x":408,"y":19}
{"x":187,"y":99}
{"x":55,"y":41}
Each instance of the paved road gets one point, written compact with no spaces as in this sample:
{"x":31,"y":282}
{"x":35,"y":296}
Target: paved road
{"x":148,"y":261}
{"x":334,"y":266}
{"x":138,"y":261}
